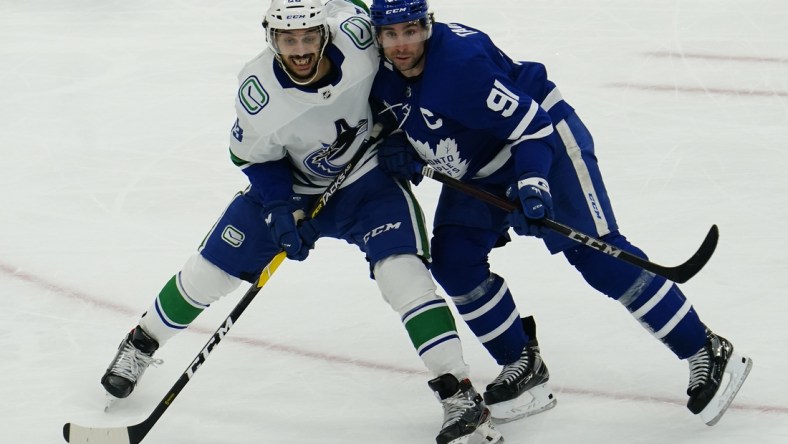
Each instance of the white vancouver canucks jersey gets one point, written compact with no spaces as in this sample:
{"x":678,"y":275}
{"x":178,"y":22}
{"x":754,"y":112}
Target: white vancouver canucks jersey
{"x":318,"y":131}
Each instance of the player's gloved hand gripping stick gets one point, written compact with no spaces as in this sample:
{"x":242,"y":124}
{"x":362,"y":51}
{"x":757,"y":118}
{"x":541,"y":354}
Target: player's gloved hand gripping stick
{"x":134,"y":434}
{"x":679,"y":274}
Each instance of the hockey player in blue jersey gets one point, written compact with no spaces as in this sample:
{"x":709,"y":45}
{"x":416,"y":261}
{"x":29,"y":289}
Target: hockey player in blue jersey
{"x":467,"y":110}
{"x":302,"y":114}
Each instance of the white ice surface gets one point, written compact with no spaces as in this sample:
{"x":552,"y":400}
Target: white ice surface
{"x":114,"y":121}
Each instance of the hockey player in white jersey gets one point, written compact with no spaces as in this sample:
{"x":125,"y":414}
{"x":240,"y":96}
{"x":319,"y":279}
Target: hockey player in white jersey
{"x":302,"y":114}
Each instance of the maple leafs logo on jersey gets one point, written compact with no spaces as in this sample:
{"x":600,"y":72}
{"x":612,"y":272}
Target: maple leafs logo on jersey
{"x":445,"y":158}
{"x":329,"y":160}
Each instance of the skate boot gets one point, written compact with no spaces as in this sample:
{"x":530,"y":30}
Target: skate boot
{"x":521,"y":388}
{"x":716,"y":375}
{"x":135,"y":354}
{"x":465,"y":418}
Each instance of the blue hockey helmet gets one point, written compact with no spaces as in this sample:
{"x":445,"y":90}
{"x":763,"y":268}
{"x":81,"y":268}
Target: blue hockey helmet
{"x":389,"y":12}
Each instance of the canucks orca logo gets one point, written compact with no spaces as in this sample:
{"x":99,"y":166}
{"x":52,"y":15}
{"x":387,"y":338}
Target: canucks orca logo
{"x":330,"y":159}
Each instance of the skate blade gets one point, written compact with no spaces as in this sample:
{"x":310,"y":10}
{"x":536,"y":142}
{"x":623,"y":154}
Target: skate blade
{"x":736,"y":372}
{"x":109,"y":401}
{"x":484,"y":434}
{"x":537,"y":400}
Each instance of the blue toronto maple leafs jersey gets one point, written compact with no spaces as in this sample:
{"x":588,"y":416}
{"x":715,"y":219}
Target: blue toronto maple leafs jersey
{"x":473,"y":107}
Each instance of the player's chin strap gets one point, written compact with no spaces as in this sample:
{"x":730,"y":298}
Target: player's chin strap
{"x":135,"y":433}
{"x":679,"y":274}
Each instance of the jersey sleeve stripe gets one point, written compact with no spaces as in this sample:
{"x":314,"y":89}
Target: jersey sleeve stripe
{"x":552,"y":99}
{"x":495,"y":164}
{"x":503,"y":156}
{"x":237,"y":161}
{"x":544,"y":132}
{"x":529,"y":117}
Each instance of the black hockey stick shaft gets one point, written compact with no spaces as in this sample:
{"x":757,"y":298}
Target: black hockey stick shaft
{"x":134,"y":434}
{"x":679,"y":274}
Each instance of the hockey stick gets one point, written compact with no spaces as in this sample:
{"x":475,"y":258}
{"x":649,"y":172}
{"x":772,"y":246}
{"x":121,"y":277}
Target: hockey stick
{"x":679,"y":274}
{"x":134,"y":434}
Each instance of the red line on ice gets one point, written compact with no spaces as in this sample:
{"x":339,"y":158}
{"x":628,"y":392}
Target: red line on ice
{"x":38,"y":281}
{"x":699,"y":90}
{"x":718,"y":57}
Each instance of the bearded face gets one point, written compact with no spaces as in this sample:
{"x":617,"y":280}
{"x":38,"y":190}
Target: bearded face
{"x":403,"y":45}
{"x":300,"y":51}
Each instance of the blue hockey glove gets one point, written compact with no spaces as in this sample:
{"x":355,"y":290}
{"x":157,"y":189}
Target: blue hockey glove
{"x":533,"y":192}
{"x":295,"y":237}
{"x":397,"y":158}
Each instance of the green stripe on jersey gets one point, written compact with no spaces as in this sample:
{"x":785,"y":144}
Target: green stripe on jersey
{"x":237,"y":160}
{"x":175,"y":306}
{"x":430,"y":324}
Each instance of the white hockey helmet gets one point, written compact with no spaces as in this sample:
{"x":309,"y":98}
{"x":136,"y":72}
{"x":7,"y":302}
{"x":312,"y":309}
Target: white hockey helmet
{"x":295,"y":14}
{"x":285,"y":15}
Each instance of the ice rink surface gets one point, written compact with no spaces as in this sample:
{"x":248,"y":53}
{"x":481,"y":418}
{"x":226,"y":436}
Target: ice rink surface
{"x":114,"y":126}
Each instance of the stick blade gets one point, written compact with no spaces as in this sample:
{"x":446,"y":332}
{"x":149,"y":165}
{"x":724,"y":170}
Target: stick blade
{"x":96,"y":435}
{"x":687,"y":270}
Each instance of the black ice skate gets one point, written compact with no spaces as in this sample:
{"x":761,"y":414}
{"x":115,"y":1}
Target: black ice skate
{"x":465,"y":418}
{"x":716,"y":375}
{"x":521,"y":388}
{"x":135,"y":354}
